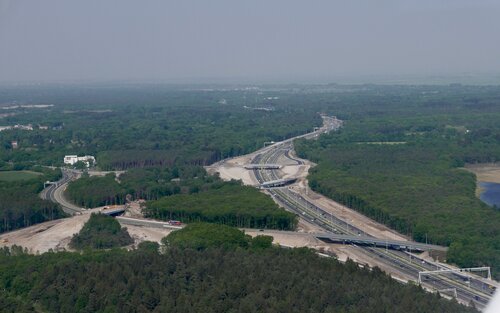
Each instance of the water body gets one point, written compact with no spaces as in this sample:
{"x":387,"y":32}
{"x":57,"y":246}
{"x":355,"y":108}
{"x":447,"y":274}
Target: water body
{"x":491,"y":193}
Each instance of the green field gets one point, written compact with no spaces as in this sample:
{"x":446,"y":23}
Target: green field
{"x":18,"y":175}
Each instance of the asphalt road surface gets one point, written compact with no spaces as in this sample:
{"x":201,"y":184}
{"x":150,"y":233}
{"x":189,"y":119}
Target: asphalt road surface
{"x":55,"y":192}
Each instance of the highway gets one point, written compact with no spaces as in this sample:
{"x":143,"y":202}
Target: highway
{"x":55,"y":192}
{"x":468,"y":287}
{"x":335,"y":237}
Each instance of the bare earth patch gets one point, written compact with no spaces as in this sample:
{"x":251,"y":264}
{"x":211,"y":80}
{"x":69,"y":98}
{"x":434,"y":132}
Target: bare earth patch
{"x":56,"y":235}
{"x":141,"y":233}
{"x":234,"y":169}
{"x":485,"y":172}
{"x":134,"y":209}
{"x":43,"y":237}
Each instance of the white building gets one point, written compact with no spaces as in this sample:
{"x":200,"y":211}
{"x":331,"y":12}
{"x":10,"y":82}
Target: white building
{"x":72,"y":159}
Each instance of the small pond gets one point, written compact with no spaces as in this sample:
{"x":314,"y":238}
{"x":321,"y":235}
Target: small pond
{"x":491,"y":193}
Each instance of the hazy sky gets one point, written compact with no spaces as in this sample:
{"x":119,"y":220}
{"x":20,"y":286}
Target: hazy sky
{"x":282,"y":40}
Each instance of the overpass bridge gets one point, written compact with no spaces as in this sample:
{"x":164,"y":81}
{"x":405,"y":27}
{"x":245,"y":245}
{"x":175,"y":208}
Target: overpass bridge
{"x":263,"y":166}
{"x":277,"y":183}
{"x":381,"y":243}
{"x":113,"y":211}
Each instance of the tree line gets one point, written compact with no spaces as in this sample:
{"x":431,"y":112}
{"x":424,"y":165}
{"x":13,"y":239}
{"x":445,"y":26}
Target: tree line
{"x":184,"y":193}
{"x":141,"y":183}
{"x":139,"y":128}
{"x":215,"y":279}
{"x":228,"y":204}
{"x":101,"y":232}
{"x":20,"y":204}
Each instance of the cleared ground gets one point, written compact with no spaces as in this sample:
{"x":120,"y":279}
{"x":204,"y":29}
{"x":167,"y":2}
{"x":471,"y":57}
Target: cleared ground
{"x":234,"y":169}
{"x":52,"y":235}
{"x":56,"y":235}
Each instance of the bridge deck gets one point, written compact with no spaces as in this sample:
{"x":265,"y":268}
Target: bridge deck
{"x":278,"y":182}
{"x":262,"y":166}
{"x":391,"y":244}
{"x":113,"y":211}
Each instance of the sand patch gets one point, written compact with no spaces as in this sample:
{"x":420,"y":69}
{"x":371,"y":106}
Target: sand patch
{"x":142,"y":233}
{"x":43,"y":237}
{"x":485,"y":172}
{"x":234,"y":169}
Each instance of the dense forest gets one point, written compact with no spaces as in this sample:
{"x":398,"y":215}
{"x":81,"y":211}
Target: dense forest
{"x":101,"y":232}
{"x":20,"y":205}
{"x":215,"y":279}
{"x":229,"y":204}
{"x":201,"y":236}
{"x":91,"y":192}
{"x":149,"y":183}
{"x":185,"y":193}
{"x":397,"y":159}
{"x":139,"y":126}
{"x":401,"y":165}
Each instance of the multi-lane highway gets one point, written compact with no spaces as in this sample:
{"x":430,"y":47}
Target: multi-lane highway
{"x":468,"y":287}
{"x":55,"y":192}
